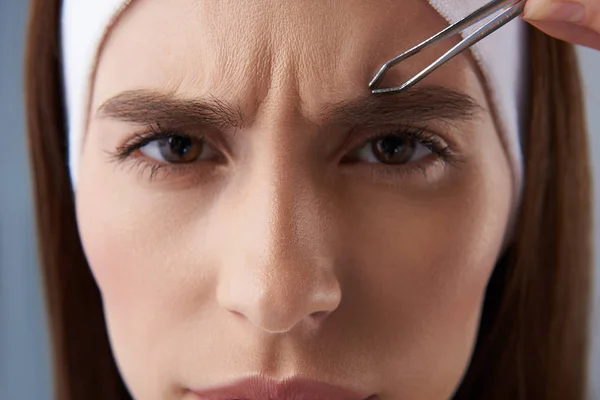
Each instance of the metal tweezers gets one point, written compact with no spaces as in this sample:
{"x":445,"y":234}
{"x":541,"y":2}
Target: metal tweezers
{"x":513,"y":10}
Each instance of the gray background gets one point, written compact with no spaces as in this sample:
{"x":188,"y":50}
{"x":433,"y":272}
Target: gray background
{"x":24,"y":354}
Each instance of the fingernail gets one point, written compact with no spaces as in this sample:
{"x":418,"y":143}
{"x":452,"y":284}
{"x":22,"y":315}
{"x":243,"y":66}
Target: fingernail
{"x":561,"y":11}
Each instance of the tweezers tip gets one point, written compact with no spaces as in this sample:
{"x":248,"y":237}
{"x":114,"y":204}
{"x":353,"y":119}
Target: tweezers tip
{"x":393,"y":89}
{"x":373,"y":82}
{"x":378,"y":75}
{"x":381,"y":91}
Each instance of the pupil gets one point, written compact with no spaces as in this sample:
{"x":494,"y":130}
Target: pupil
{"x":179,"y":145}
{"x":394,"y":150}
{"x":392,"y":145}
{"x":178,"y":149}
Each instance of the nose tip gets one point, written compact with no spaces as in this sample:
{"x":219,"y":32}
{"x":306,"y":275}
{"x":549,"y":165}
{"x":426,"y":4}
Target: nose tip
{"x":280,"y":302}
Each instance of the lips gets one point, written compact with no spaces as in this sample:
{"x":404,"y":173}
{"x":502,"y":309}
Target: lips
{"x":259,"y":388}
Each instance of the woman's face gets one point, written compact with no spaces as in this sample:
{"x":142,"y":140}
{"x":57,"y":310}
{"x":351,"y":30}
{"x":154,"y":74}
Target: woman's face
{"x":250,"y":210}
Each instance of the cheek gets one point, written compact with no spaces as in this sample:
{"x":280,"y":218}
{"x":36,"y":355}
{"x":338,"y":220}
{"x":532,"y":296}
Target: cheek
{"x":134,"y":243}
{"x":414,"y":268}
{"x":424,"y":263}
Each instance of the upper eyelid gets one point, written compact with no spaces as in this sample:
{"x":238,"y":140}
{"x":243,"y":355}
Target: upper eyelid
{"x":173,"y":167}
{"x":364,"y":135}
{"x":355,"y":138}
{"x":158,"y":130}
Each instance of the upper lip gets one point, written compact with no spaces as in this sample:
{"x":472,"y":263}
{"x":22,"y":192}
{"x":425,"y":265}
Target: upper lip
{"x":260,"y":388}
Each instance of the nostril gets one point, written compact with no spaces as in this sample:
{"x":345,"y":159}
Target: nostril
{"x":238,"y":314}
{"x":318,"y":316}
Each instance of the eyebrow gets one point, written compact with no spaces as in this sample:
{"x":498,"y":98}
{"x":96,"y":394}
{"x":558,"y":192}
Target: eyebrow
{"x":145,"y":107}
{"x":418,"y":104}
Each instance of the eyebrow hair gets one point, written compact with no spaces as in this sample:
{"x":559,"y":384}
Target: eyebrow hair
{"x":145,"y":107}
{"x":417,"y":104}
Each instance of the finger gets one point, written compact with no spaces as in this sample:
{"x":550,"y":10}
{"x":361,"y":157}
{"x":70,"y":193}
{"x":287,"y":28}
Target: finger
{"x":555,"y":10}
{"x":570,"y":33}
{"x":575,"y":13}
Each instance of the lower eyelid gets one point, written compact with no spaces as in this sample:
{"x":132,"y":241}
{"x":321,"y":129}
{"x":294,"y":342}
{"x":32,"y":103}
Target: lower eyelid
{"x":404,"y":177}
{"x":181,"y":175}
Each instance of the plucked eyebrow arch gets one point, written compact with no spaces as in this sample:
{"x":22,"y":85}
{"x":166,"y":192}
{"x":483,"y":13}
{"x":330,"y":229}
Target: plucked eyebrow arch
{"x":416,"y":105}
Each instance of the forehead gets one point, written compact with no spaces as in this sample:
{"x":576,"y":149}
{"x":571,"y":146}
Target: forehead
{"x":247,"y":51}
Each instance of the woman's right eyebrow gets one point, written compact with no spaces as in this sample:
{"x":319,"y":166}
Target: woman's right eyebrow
{"x":147,"y":107}
{"x":418,"y":104}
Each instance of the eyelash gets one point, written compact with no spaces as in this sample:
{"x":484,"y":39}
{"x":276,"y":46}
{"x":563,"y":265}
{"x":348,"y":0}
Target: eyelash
{"x":141,"y":139}
{"x":433,"y":142}
{"x":439,"y":148}
{"x":125,"y":152}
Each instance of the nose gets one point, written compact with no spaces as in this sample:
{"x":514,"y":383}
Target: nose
{"x":278,"y":269}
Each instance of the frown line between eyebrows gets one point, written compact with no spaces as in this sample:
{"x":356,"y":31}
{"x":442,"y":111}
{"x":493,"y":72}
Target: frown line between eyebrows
{"x":419,"y":104}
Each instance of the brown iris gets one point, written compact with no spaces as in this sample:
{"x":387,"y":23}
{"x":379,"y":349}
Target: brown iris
{"x":179,"y":149}
{"x":394,"y":149}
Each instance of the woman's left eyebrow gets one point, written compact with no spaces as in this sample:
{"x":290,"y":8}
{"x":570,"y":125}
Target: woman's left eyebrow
{"x":417,"y":104}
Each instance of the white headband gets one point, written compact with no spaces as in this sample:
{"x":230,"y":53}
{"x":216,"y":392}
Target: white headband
{"x":501,"y":58}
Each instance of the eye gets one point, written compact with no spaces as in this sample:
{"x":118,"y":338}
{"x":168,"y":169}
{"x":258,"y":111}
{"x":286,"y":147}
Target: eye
{"x":177,"y":149}
{"x":394,"y":149}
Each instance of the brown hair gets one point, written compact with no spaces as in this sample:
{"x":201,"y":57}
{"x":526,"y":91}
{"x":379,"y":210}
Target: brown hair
{"x":533,"y":335}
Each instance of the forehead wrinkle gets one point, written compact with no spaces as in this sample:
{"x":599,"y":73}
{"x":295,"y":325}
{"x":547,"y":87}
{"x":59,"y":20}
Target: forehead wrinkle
{"x":245,"y":72}
{"x":286,"y":54}
{"x":308,"y":62}
{"x":278,"y":45}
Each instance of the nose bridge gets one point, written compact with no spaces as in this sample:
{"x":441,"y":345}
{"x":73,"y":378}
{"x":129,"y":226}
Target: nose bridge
{"x":279,"y":271}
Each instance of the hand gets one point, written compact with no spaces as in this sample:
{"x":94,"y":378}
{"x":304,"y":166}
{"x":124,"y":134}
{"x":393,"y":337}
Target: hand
{"x":575,"y":21}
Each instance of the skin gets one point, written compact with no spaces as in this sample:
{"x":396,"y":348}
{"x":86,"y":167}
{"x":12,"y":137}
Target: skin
{"x":278,"y":258}
{"x":575,"y":21}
